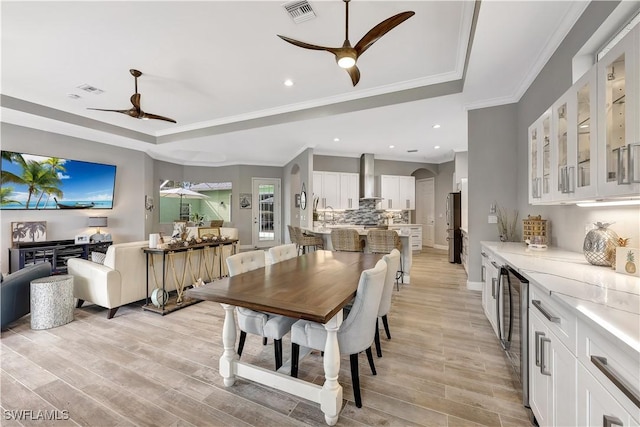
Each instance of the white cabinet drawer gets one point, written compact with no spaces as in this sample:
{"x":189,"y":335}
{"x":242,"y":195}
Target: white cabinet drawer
{"x":614,"y":367}
{"x":560,"y":320}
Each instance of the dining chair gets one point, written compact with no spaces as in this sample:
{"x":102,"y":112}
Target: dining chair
{"x":307,"y":240}
{"x":393,"y":262}
{"x":346,"y":240}
{"x":293,"y":236}
{"x":283,"y":252}
{"x":356,"y":333}
{"x":383,"y":242}
{"x":255,"y":322}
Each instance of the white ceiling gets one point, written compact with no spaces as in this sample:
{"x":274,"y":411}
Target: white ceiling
{"x":218,"y":68}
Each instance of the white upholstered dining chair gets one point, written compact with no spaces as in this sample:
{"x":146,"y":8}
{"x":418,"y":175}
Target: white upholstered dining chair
{"x":266,"y":325}
{"x":283,"y":252}
{"x":356,"y":332}
{"x":393,"y":262}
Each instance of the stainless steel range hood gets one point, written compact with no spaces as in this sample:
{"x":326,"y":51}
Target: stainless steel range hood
{"x":367,"y":178}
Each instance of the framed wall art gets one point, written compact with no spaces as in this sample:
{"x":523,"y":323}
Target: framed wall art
{"x":27,"y":232}
{"x":245,"y":200}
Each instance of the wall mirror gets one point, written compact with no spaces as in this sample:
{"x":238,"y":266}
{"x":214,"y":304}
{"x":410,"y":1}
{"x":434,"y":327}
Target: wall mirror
{"x":303,"y":198}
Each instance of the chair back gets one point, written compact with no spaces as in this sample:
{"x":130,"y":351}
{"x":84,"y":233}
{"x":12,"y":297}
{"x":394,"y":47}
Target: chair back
{"x":283,"y":252}
{"x":216,"y":223}
{"x":245,"y":261}
{"x":383,"y":241}
{"x":346,"y":239}
{"x":393,"y":262}
{"x":292,"y":234}
{"x":358,"y":329}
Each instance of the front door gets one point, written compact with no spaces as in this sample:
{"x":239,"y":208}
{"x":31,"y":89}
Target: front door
{"x":425,"y":210}
{"x":266,"y":212}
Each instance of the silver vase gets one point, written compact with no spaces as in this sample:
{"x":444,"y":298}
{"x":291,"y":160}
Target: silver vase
{"x":598,"y":243}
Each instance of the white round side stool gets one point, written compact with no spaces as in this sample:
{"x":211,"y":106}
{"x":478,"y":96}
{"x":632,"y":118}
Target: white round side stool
{"x":52,"y":301}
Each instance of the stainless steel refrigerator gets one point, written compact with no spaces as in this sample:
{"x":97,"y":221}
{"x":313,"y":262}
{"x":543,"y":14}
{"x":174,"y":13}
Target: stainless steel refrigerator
{"x":454,"y":218}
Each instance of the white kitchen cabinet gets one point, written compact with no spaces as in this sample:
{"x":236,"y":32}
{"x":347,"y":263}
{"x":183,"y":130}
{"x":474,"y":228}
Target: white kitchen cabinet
{"x":398,"y":192}
{"x":619,"y":118}
{"x":336,"y":190}
{"x":541,"y":173}
{"x":490,"y":287}
{"x":552,"y":360}
{"x":349,"y":191}
{"x":552,"y":376}
{"x":414,"y":231}
{"x":596,"y":406}
{"x":574,"y":141}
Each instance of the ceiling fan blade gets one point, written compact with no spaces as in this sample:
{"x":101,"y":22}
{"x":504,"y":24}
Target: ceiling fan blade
{"x":113,"y":111}
{"x":135,"y":100}
{"x":156,"y":117}
{"x":354,"y":73}
{"x":308,"y":45}
{"x":380,"y":30}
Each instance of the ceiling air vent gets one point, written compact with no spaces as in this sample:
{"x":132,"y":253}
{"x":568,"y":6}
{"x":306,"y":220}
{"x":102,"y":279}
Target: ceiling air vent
{"x":91,"y":89}
{"x":299,"y":11}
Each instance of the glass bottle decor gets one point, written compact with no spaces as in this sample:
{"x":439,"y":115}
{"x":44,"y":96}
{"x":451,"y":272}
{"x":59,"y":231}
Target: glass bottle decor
{"x":598,"y":243}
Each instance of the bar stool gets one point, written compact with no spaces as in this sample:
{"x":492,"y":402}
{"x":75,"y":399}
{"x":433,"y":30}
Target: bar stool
{"x":346,"y":240}
{"x":307,"y":240}
{"x":383,"y":242}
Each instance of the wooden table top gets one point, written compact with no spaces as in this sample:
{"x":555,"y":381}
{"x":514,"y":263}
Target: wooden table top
{"x":209,"y":243}
{"x":313,"y":287}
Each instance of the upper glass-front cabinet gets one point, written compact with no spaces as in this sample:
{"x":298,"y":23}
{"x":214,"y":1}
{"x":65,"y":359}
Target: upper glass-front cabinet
{"x":541,"y":173}
{"x":619,"y":118}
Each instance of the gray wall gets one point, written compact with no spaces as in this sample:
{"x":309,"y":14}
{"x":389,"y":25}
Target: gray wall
{"x":128,"y":220}
{"x":297,"y":172}
{"x":492,"y":170}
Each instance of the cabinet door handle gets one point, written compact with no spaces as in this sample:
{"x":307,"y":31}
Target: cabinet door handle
{"x":493,"y":287}
{"x":571,"y":180}
{"x":495,"y":265}
{"x":632,"y":162}
{"x":537,"y":346}
{"x":626,"y":388}
{"x":483,"y":273}
{"x":621,"y":153}
{"x":544,"y":369}
{"x":610,"y":420}
{"x":483,"y":254}
{"x":537,"y":304}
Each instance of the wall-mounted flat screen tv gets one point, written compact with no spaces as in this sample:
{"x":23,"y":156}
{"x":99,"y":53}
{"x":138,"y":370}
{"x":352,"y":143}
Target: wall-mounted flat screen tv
{"x":40,"y":182}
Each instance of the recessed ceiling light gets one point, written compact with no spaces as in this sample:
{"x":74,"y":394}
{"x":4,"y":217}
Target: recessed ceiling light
{"x":392,"y":146}
{"x":336,"y":139}
{"x":73,"y":96}
{"x":436,"y":126}
{"x":288,"y":82}
{"x":437,"y":147}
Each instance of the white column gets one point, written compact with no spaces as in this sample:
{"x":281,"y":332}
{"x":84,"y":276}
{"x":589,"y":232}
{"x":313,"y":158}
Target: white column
{"x":229,"y":356}
{"x":331,"y":393}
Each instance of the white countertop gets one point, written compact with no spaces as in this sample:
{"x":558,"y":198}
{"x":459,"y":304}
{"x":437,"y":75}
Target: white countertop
{"x":361,"y":230}
{"x":611,"y":300}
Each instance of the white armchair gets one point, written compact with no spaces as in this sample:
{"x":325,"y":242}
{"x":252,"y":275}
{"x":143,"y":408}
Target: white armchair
{"x":356,"y":332}
{"x":120,"y":280}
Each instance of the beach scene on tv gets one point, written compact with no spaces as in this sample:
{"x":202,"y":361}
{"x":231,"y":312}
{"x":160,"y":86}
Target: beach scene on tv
{"x":38,"y":182}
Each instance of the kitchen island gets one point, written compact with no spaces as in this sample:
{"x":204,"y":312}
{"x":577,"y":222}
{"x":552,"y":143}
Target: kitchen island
{"x":405,"y":238}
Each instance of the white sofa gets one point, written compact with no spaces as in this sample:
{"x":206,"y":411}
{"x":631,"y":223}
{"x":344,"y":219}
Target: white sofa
{"x":122,"y":279}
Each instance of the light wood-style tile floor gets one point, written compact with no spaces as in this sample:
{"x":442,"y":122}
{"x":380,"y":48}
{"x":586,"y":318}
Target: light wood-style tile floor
{"x":442,"y":367}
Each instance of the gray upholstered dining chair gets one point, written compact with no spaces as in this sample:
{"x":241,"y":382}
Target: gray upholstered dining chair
{"x":283,"y":252}
{"x":356,"y":332}
{"x":383,"y":242}
{"x":346,"y":239}
{"x":254,"y":322}
{"x":393,"y":262}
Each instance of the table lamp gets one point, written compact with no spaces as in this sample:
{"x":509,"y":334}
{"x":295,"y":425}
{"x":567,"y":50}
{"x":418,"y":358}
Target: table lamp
{"x":97,"y":221}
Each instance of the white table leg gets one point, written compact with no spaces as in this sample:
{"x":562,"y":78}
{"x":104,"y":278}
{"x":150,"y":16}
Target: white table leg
{"x":331,"y":393}
{"x":229,"y":356}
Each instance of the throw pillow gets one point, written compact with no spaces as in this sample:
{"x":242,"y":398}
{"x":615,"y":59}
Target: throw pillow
{"x":98,"y":257}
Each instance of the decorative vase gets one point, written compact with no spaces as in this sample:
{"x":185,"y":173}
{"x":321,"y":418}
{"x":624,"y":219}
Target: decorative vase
{"x":598,"y":244}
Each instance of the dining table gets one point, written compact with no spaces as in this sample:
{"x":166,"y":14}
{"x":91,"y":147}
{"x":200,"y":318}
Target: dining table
{"x":315,"y":286}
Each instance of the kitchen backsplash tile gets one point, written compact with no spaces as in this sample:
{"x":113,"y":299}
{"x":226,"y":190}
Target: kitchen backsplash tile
{"x":367,"y":214}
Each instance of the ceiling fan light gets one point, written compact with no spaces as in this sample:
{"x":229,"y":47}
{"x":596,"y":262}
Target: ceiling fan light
{"x":347,"y":60}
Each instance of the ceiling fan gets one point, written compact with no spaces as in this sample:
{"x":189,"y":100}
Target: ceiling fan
{"x":347,"y":56}
{"x":136,"y":112}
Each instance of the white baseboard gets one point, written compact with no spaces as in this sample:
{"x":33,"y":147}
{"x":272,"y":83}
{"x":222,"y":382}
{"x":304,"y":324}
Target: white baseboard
{"x":474,"y":286}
